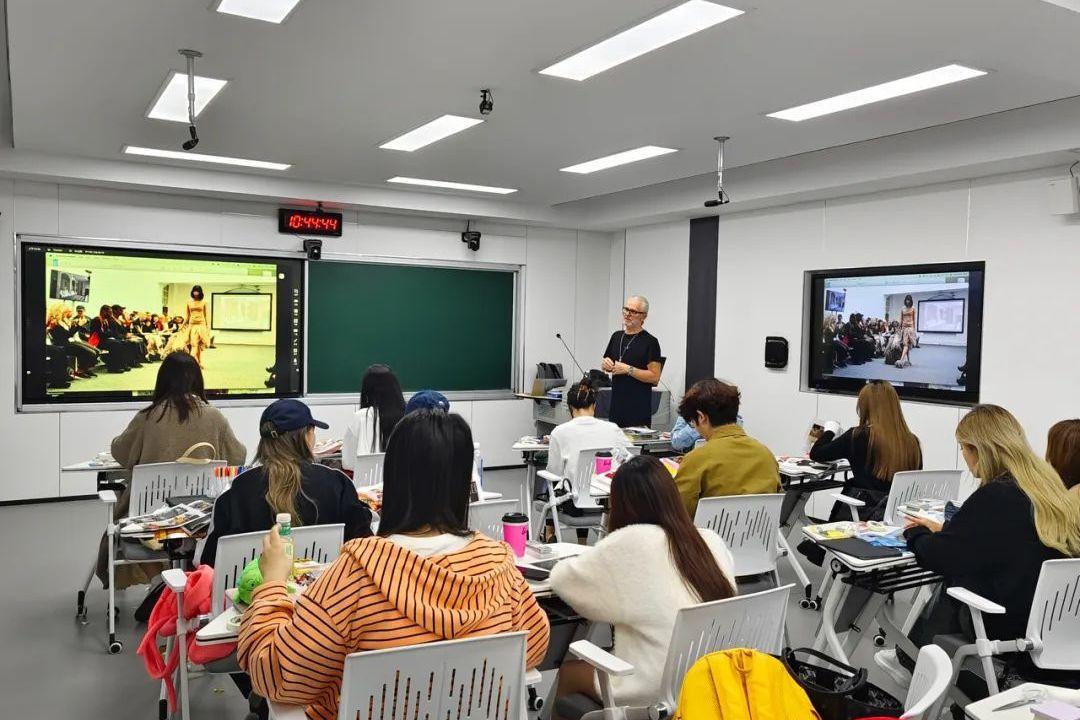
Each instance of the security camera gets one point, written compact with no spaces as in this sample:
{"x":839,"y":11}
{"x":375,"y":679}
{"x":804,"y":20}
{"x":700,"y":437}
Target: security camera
{"x":190,"y":144}
{"x":472,"y":239}
{"x":313,"y":248}
{"x":487,"y":102}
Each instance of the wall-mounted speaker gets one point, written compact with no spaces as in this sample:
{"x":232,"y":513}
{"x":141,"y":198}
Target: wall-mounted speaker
{"x":776,"y":352}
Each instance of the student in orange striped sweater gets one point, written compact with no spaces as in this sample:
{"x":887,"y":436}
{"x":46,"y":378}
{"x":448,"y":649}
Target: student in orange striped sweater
{"x":425,"y":577}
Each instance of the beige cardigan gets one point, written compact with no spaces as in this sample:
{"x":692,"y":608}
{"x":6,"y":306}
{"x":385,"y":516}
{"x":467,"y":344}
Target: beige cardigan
{"x":153,"y":438}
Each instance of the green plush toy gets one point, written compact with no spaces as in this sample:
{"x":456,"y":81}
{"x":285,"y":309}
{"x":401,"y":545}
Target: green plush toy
{"x":250,"y":579}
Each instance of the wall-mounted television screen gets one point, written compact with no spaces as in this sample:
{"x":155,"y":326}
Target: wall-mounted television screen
{"x":918,"y":327}
{"x":97,"y":320}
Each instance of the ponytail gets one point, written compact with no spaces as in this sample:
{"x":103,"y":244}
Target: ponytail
{"x":281,"y":455}
{"x":581,"y":395}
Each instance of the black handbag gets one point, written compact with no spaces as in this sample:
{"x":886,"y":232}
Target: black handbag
{"x":838,"y":691}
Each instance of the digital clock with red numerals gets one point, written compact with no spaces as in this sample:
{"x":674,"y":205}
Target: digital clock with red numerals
{"x":309,"y":222}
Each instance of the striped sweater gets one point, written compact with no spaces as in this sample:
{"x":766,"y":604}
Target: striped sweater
{"x":380,"y":595}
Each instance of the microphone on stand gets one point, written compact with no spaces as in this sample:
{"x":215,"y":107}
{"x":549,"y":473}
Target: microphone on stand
{"x":571,"y":354}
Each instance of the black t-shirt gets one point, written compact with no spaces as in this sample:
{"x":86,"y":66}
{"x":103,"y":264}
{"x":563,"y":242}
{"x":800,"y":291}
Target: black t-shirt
{"x":243,"y":507}
{"x":631,"y":399}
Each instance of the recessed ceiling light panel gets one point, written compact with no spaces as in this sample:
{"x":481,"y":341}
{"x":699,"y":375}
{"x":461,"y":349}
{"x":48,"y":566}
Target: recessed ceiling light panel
{"x":200,"y":157}
{"x":1073,"y":5}
{"x":171,"y":100}
{"x":622,"y":158}
{"x":675,"y":24}
{"x":273,"y":11}
{"x":885,"y":91}
{"x":434,"y":131}
{"x":446,"y":185}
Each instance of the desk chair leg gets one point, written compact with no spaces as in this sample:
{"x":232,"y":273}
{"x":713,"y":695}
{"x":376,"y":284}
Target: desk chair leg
{"x":804,"y":580}
{"x":80,"y":599}
{"x":555,"y":523}
{"x":115,"y":646}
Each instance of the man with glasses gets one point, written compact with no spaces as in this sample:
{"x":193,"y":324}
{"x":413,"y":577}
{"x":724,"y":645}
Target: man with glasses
{"x":633,"y":359}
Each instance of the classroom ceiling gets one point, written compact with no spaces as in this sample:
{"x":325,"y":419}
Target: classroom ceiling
{"x":340,"y":77}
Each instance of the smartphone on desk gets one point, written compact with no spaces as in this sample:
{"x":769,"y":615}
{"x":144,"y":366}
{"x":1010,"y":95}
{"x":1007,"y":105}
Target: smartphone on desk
{"x":533,"y":573}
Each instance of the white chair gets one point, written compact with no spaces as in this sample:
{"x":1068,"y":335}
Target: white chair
{"x":929,"y":683}
{"x":574,"y":490}
{"x":1053,"y":627}
{"x":749,"y":525}
{"x":748,"y":621}
{"x":151,"y":485}
{"x":478,"y":678}
{"x":908,"y":486}
{"x":486,"y":517}
{"x":368,"y":470}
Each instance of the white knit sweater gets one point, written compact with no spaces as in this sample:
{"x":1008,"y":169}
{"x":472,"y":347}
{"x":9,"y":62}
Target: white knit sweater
{"x":629,"y":579}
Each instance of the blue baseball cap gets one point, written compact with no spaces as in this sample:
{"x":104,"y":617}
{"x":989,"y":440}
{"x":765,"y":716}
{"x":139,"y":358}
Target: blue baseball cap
{"x":284,"y":415}
{"x":427,"y":400}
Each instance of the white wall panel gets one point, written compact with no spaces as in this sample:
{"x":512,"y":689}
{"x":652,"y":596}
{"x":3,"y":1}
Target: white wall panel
{"x":549,"y":297}
{"x":497,"y":425}
{"x":591,"y":327}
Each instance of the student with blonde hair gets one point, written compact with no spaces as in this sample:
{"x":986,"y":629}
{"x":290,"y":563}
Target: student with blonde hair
{"x":1020,"y":516}
{"x":287,"y":479}
{"x":880,"y":446}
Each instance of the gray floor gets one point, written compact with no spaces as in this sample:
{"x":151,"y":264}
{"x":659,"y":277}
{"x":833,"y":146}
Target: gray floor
{"x":52,"y":667}
{"x":933,"y":364}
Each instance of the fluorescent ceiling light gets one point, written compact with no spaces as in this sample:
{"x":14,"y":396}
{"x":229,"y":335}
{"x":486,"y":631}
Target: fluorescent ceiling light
{"x":199,"y":157}
{"x":434,"y":131}
{"x":667,"y":27}
{"x":610,"y":161}
{"x":452,"y":185}
{"x":171,"y":100}
{"x":274,"y":11}
{"x":884,"y":91}
{"x":1073,"y":5}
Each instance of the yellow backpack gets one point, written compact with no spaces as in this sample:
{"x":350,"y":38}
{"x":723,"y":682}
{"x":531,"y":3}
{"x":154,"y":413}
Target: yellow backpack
{"x":742,"y":684}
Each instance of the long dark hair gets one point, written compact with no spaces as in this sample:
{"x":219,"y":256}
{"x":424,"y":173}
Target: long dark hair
{"x":642,"y":492}
{"x":105,"y":314}
{"x":180,"y":385}
{"x":381,"y":390}
{"x":908,"y":302}
{"x":426,"y":475}
{"x":197,"y":289}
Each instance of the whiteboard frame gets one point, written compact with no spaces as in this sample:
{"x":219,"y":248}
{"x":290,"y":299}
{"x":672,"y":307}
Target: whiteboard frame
{"x":517,"y":342}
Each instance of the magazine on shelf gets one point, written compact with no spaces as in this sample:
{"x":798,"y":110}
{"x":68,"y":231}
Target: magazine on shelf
{"x":189,"y":517}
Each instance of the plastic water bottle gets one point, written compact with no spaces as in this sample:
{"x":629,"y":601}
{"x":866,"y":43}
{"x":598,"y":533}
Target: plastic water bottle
{"x":284,"y":521}
{"x":478,"y":466}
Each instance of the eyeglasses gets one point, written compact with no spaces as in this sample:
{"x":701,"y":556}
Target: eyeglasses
{"x":631,"y":311}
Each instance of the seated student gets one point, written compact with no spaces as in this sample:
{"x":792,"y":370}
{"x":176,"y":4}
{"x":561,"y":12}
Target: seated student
{"x":426,"y":577}
{"x":427,"y":400}
{"x":583,"y":431}
{"x":1063,"y":452}
{"x":1020,"y":516}
{"x":730,"y":462}
{"x":107,"y":335}
{"x":381,"y":407}
{"x":877,"y":448}
{"x":684,"y":437}
{"x":653,"y":563}
{"x":286,"y":480}
{"x":177,"y":418}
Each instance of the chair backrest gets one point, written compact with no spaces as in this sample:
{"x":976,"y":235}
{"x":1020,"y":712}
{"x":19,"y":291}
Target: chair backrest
{"x":479,"y":678}
{"x":152,"y":484}
{"x":1054,"y":621}
{"x":321,"y":543}
{"x":486,"y":517}
{"x":367,"y":469}
{"x":754,"y":621}
{"x":586,"y":469}
{"x":929,"y":683}
{"x":919,"y":485}
{"x":233,"y":553}
{"x":314,"y":542}
{"x":748,"y":524}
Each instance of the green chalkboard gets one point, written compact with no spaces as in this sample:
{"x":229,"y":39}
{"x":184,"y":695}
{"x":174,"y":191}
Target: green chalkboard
{"x":442,"y":328}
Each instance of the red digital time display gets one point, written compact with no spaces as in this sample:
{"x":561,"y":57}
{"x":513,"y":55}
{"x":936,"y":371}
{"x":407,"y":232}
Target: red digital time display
{"x":309,"y":222}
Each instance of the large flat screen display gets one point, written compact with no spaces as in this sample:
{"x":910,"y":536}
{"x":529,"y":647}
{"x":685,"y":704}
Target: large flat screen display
{"x":918,"y":327}
{"x":98,"y":320}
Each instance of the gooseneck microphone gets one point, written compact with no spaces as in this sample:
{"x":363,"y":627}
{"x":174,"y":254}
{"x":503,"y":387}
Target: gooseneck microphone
{"x":570,"y":353}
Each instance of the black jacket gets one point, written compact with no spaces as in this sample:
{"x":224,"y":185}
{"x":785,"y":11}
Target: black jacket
{"x":991,"y":548}
{"x":243,"y":507}
{"x":853,"y":446}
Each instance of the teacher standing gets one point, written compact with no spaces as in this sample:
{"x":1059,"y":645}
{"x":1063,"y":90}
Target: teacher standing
{"x":633,"y":359}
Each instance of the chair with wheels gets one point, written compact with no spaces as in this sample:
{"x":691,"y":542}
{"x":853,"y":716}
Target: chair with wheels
{"x":575,"y":491}
{"x":486,"y":517}
{"x":368,"y":470}
{"x":754,"y":621}
{"x":151,"y":485}
{"x":1053,"y":627}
